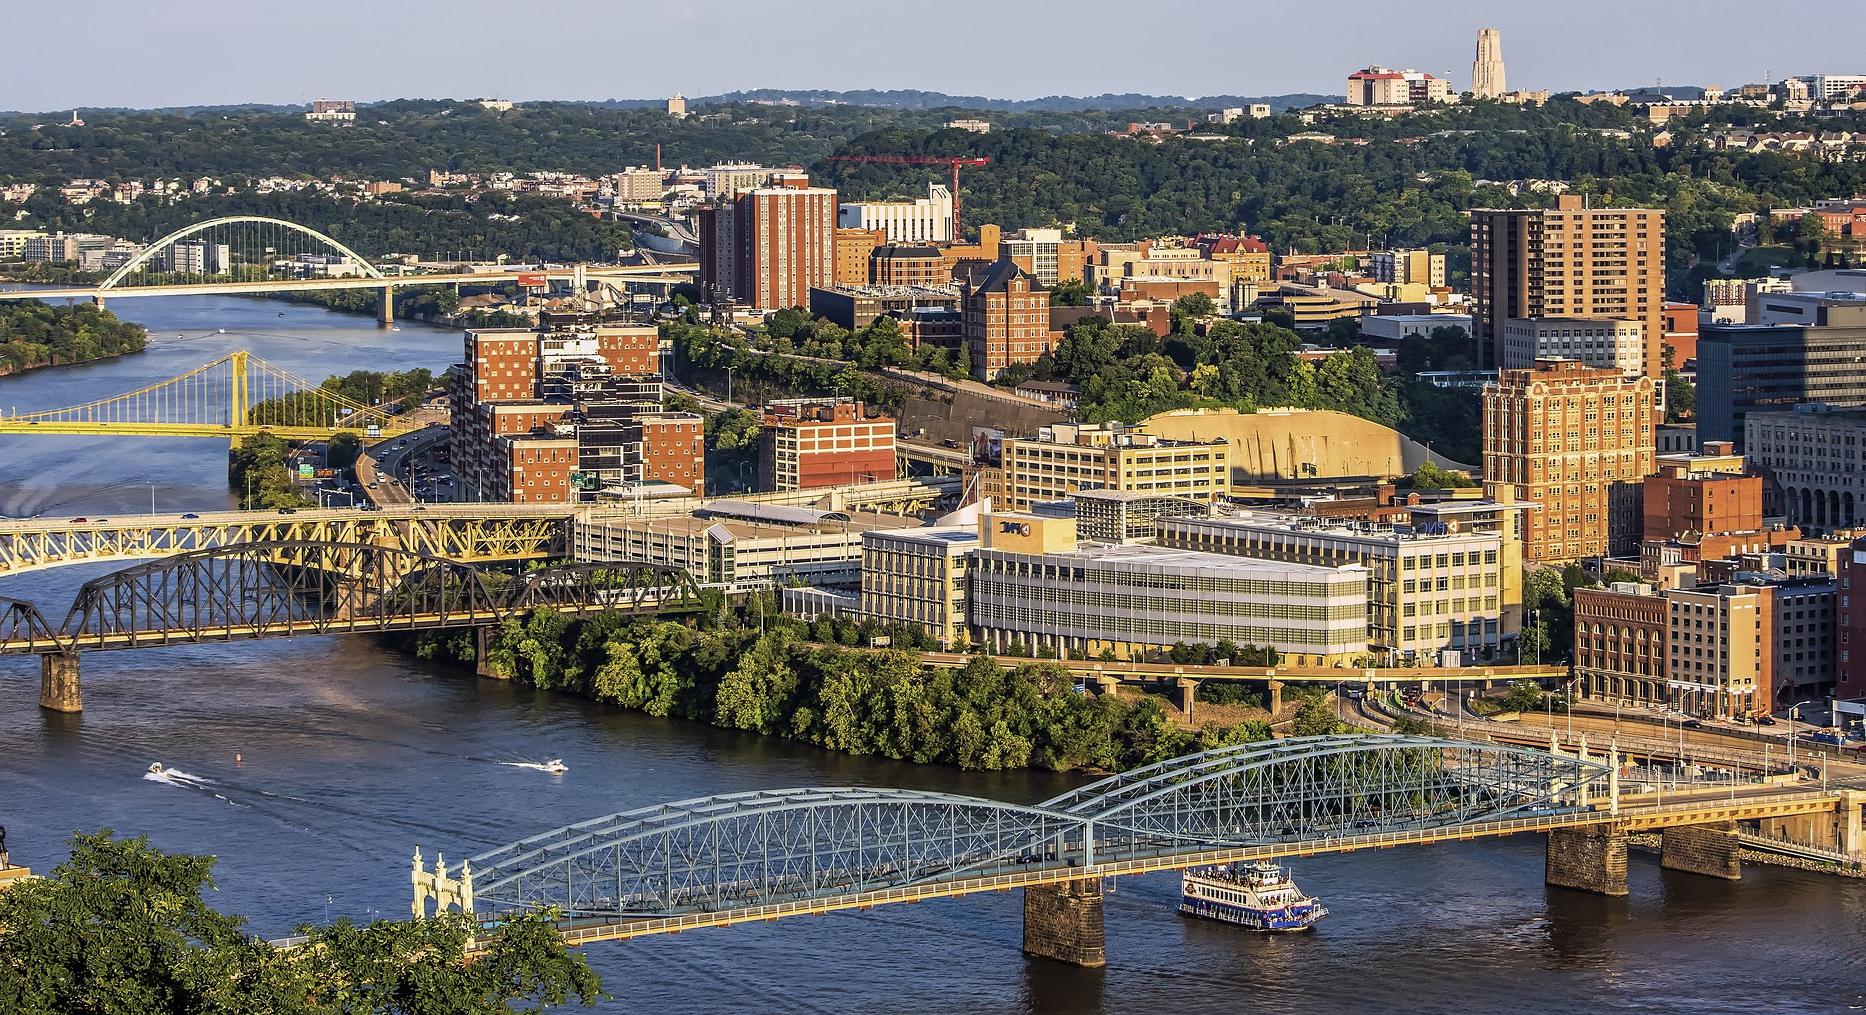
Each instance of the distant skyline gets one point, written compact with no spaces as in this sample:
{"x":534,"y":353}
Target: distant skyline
{"x":214,"y":52}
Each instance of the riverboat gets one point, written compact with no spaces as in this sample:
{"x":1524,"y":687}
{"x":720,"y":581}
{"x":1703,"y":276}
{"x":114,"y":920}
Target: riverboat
{"x":1258,"y":895}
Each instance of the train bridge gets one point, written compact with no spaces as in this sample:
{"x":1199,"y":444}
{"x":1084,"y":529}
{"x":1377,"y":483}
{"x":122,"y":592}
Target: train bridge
{"x":291,"y":587}
{"x":773,"y":854}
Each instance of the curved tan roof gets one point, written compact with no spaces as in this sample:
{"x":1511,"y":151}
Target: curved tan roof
{"x":1281,"y":444}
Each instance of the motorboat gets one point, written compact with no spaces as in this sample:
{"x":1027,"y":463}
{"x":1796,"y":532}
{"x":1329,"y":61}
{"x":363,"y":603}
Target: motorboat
{"x":556,"y":766}
{"x":155,"y":768}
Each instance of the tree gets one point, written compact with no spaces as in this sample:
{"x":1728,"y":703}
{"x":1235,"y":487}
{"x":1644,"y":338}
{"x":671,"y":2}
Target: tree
{"x":1430,"y":476}
{"x":121,"y":927}
{"x":1071,"y":292}
{"x":1523,"y":696}
{"x":1681,"y":397}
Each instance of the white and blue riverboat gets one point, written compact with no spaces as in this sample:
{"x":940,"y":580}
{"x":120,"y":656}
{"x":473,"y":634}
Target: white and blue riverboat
{"x":1258,"y":895}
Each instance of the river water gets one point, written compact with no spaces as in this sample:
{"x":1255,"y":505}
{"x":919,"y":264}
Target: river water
{"x":319,"y":764}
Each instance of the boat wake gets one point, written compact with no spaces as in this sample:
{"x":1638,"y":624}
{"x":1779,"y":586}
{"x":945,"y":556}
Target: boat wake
{"x":185,"y":780}
{"x":555,"y":766}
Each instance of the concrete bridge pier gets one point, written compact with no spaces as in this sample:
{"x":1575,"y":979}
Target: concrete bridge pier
{"x":385,"y":306}
{"x":1710,"y":850}
{"x":1591,"y":858}
{"x":482,"y":641}
{"x":58,"y":683}
{"x":1064,"y":922}
{"x":1273,"y":700}
{"x":1188,"y":694}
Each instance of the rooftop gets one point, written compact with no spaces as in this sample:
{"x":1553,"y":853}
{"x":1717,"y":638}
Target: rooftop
{"x":1343,"y":528}
{"x":1196,"y":563}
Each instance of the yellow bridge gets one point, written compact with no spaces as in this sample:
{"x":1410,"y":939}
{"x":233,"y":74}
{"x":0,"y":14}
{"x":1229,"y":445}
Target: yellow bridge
{"x":237,"y":395}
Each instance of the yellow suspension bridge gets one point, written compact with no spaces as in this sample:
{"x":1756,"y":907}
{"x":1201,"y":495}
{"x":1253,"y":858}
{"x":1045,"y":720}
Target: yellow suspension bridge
{"x":237,"y":395}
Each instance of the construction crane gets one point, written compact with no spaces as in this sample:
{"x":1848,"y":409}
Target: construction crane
{"x":955,"y":161}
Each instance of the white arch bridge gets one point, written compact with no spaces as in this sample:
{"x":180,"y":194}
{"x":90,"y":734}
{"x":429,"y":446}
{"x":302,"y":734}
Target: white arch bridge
{"x":767,"y":855}
{"x":237,"y":254}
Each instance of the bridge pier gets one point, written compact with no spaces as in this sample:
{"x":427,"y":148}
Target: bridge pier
{"x":1274,"y":699}
{"x":385,"y":306}
{"x":58,"y":683}
{"x":1710,"y":850}
{"x":1064,"y":922}
{"x":1588,"y":859}
{"x":482,"y":641}
{"x":1188,"y":695}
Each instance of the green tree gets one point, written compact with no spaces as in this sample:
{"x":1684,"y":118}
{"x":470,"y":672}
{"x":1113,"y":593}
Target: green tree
{"x":121,"y":928}
{"x":1071,"y":292}
{"x":1429,"y":476}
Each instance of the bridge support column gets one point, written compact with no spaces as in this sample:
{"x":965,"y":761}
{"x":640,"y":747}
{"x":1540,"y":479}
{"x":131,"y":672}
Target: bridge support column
{"x":1064,"y":922}
{"x":1188,"y":696}
{"x":1274,"y":700}
{"x":58,"y":683}
{"x":1701,"y":849}
{"x":385,"y":306}
{"x":1589,"y":859}
{"x":1849,"y":835}
{"x":482,"y":642}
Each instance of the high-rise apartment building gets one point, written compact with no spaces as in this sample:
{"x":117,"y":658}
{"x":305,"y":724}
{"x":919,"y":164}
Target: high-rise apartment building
{"x":768,"y":246}
{"x":1572,"y":441}
{"x":1569,"y":261}
{"x":1487,"y":68}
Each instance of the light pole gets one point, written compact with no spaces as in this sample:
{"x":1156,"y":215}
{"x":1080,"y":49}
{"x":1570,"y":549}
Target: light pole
{"x":1794,"y":715}
{"x":152,"y":497}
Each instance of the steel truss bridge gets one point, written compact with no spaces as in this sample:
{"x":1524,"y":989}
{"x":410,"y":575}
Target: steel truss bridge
{"x":283,"y":588}
{"x":239,"y":254}
{"x":770,"y":854}
{"x":237,"y":395}
{"x":466,"y":533}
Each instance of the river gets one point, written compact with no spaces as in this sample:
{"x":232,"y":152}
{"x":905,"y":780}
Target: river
{"x":324,"y":762}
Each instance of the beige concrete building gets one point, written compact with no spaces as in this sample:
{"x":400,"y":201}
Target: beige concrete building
{"x":919,"y":577}
{"x":1066,"y":457}
{"x":1719,"y":655}
{"x":1572,"y":441}
{"x":1569,"y":261}
{"x":1032,"y":584}
{"x":1597,"y":342}
{"x":1433,"y":596}
{"x":737,"y":545}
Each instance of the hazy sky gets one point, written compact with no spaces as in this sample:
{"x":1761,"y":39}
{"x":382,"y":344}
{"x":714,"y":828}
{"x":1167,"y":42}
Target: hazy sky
{"x":143,"y":53}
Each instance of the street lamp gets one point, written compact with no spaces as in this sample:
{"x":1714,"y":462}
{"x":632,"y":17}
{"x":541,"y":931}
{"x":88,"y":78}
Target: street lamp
{"x":1794,"y":715}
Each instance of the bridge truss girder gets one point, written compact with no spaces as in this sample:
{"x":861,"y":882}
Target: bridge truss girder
{"x":285,"y":588}
{"x":471,"y":540}
{"x":743,"y":851}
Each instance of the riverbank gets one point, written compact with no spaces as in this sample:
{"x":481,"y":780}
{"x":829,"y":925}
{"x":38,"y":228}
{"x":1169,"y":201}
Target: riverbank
{"x":792,"y":681}
{"x":36,"y":335}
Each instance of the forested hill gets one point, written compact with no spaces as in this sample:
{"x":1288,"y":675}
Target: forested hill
{"x":406,"y":138}
{"x":34,"y":334}
{"x":1401,"y":182}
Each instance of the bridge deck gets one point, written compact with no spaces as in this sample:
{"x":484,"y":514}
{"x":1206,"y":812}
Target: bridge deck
{"x":1750,"y":805}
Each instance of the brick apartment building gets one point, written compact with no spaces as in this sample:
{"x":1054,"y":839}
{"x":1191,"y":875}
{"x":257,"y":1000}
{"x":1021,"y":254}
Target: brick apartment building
{"x":768,"y":246}
{"x":1568,"y":261}
{"x":1006,"y":319}
{"x":1574,"y":442}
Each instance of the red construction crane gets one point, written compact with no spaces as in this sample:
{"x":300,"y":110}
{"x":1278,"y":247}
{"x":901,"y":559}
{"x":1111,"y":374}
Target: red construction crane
{"x":954,"y":161}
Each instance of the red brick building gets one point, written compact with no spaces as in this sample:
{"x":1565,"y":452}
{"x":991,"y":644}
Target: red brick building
{"x":1679,"y":501}
{"x":537,"y":469}
{"x":814,"y":443}
{"x":1006,"y":319}
{"x":1681,"y":332}
{"x":768,"y":247}
{"x":673,"y":449}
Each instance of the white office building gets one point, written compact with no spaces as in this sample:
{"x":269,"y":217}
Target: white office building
{"x":925,"y":220}
{"x":1596,"y":341}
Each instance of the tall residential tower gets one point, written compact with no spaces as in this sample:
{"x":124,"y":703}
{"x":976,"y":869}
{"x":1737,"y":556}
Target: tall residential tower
{"x":1487,"y":69}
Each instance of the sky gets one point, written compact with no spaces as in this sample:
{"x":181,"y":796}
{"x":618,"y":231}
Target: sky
{"x":201,"y":52}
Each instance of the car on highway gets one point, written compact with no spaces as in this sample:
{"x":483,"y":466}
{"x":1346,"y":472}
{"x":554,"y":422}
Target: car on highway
{"x":1693,"y":724}
{"x":80,"y":520}
{"x":288,"y":511}
{"x":190,"y":516}
{"x":1765,"y":720}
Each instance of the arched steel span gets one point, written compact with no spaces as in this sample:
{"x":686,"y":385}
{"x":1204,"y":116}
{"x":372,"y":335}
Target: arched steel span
{"x":154,"y":249}
{"x":745,"y":850}
{"x":280,"y":588}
